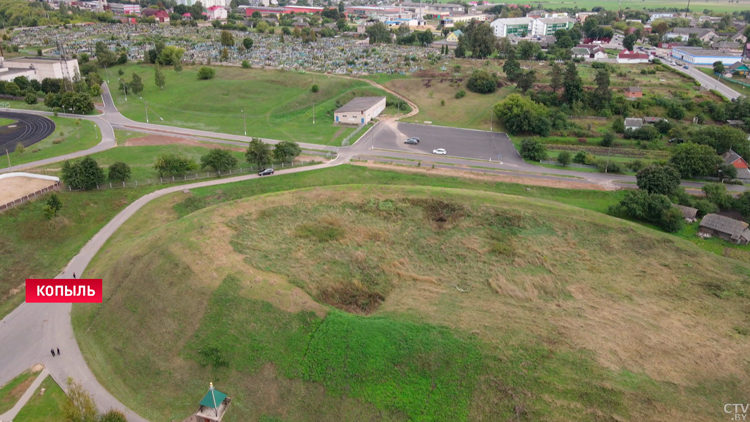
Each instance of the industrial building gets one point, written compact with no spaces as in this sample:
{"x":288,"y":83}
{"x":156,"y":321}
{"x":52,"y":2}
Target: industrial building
{"x":125,"y":8}
{"x":359,"y":111}
{"x":37,"y":68}
{"x":697,"y":55}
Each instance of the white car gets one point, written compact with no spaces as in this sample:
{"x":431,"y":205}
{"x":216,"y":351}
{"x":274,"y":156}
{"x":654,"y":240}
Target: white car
{"x":439,"y":151}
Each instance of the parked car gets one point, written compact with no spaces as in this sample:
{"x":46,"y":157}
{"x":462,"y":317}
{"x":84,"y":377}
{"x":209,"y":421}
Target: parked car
{"x":686,"y":67}
{"x":439,"y":151}
{"x":411,"y":141}
{"x":266,"y":172}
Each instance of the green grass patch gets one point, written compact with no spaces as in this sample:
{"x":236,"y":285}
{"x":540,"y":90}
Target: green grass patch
{"x":46,"y":407}
{"x":5,"y":122}
{"x":276,"y":104}
{"x":70,"y":135}
{"x":12,"y":391}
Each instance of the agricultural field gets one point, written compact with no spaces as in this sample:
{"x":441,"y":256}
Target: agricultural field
{"x":277,"y":104}
{"x":723,"y":6}
{"x":462,"y":305}
{"x":70,"y":135}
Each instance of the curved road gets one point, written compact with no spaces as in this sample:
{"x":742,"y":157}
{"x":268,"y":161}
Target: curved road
{"x":27,"y":333}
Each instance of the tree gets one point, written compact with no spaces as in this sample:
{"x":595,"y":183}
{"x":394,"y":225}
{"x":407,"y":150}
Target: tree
{"x":30,"y":98}
{"x":460,"y":50}
{"x":104,"y":56}
{"x":602,"y":95}
{"x":175,"y":165}
{"x":533,"y":150}
{"x":85,"y":174}
{"x":608,"y":139}
{"x":618,"y":125}
{"x":512,"y":68}
{"x":247,"y":43}
{"x":77,"y":102}
{"x":113,"y":416}
{"x":527,"y":50}
{"x":123,"y":59}
{"x":341,"y":24}
{"x":206,"y":73}
{"x":564,"y":158}
{"x":658,"y":179}
{"x":286,"y":151}
{"x":556,"y":77}
{"x":79,"y":405}
{"x":227,"y":39}
{"x":52,"y":206}
{"x":378,"y":33}
{"x":573,"y":85}
{"x":653,"y":208}
{"x":719,"y":67}
{"x":717,"y":194}
{"x":119,"y":172}
{"x":726,"y":172}
{"x":219,"y":160}
{"x":315,"y":88}
{"x":224,"y":54}
{"x":159,"y":78}
{"x":196,"y":11}
{"x":136,"y":84}
{"x":425,"y":37}
{"x":341,"y":7}
{"x":722,"y":139}
{"x":258,"y":152}
{"x":521,"y":115}
{"x":482,"y":82}
{"x":482,"y":40}
{"x":526,"y":81}
{"x":742,"y":204}
{"x":629,"y":42}
{"x":694,"y":160}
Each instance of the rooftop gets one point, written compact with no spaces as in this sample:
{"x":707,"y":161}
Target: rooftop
{"x":688,"y":212}
{"x":735,"y":228}
{"x":359,"y":104}
{"x":730,"y":157}
{"x":513,"y":21}
{"x":705,"y":52}
{"x":556,"y":20}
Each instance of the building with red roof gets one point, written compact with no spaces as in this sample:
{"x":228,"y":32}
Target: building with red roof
{"x":158,"y":15}
{"x":627,"y":56}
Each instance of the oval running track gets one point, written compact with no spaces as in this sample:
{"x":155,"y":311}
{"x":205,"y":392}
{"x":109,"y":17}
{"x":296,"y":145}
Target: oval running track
{"x":29,"y":129}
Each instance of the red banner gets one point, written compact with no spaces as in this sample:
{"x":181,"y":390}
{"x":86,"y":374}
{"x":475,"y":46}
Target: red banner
{"x":63,"y":290}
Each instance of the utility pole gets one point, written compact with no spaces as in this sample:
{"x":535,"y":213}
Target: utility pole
{"x":244,"y":122}
{"x":313,"y":111}
{"x":490,"y":119}
{"x":145,"y":103}
{"x":8,"y":155}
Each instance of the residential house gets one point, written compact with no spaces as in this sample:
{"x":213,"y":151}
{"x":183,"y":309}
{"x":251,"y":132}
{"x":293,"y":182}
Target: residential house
{"x":633,"y":92}
{"x":453,"y":36}
{"x":690,"y":214}
{"x":589,"y":51}
{"x":581,"y":16}
{"x":216,"y":13}
{"x":683,"y":34}
{"x":626,"y":56}
{"x":652,"y":120}
{"x":159,"y":15}
{"x":725,"y":228}
{"x":518,"y":26}
{"x":548,"y":26}
{"x":738,"y":68}
{"x":728,"y":46}
{"x":735,"y":160}
{"x":633,"y":123}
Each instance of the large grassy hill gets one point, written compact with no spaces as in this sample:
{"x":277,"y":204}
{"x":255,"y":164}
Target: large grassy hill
{"x":387,"y":303}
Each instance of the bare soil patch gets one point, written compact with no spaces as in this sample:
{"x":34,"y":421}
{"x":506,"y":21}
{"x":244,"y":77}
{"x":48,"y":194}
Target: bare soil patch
{"x":13,"y":188}
{"x":563,"y":184}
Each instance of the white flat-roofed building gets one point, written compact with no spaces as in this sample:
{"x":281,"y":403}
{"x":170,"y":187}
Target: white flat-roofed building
{"x":38,"y":68}
{"x":125,"y":8}
{"x":548,"y":26}
{"x":359,"y":110}
{"x":512,"y":26}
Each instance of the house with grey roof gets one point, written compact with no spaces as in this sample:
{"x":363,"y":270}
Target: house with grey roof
{"x":633,"y":123}
{"x":725,"y":228}
{"x":359,"y":111}
{"x":690,"y":214}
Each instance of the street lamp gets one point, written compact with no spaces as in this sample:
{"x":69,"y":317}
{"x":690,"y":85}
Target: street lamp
{"x":313,"y":111}
{"x":145,"y":105}
{"x":244,"y":122}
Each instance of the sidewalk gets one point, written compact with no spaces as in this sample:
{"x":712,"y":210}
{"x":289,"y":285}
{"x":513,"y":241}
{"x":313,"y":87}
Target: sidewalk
{"x":11,"y":414}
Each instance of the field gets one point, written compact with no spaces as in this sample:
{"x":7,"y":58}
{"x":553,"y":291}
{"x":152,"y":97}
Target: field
{"x":70,"y":134}
{"x":277,"y":104}
{"x":46,"y":407}
{"x":411,"y":303}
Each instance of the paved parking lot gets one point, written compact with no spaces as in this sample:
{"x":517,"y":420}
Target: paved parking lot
{"x":464,"y":143}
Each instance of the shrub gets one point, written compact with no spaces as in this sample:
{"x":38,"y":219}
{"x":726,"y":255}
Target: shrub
{"x":206,"y":73}
{"x":608,"y":167}
{"x":583,"y":157}
{"x":245,"y":64}
{"x":482,"y":82}
{"x":704,"y":207}
{"x":315,"y":88}
{"x":20,"y":148}
{"x":442,"y":102}
{"x":608,"y":139}
{"x":460,"y":94}
{"x":119,"y":172}
{"x":653,"y":208}
{"x":636,"y":165}
{"x":658,"y":179}
{"x":533,"y":150}
{"x":564,"y":158}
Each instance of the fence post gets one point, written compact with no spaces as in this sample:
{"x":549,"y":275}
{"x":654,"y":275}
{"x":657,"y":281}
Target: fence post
{"x":136,"y":183}
{"x":173,"y":178}
{"x":69,"y":189}
{"x":97,"y":187}
{"x":161,"y":180}
{"x":207,"y":174}
{"x":230,"y":172}
{"x":282,"y":164}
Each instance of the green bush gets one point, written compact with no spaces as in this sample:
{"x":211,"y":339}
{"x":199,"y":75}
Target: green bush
{"x":609,"y":167}
{"x":206,"y":73}
{"x":533,"y":150}
{"x":564,"y":158}
{"x":482,"y":82}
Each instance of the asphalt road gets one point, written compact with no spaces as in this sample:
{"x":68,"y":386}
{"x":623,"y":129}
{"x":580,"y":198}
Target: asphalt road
{"x":464,"y":143}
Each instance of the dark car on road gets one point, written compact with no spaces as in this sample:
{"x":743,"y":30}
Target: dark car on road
{"x":412,"y":141}
{"x":266,"y":172}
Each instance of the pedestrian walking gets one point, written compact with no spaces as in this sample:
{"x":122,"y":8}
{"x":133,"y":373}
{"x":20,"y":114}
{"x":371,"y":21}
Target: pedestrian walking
{"x":74,"y":275}
{"x":53,"y":352}
{"x":58,"y":351}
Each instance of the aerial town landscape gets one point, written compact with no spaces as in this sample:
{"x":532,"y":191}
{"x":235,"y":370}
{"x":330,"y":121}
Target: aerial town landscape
{"x":318,"y":210}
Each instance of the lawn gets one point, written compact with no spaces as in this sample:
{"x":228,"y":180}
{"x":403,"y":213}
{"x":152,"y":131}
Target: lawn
{"x":13,"y":390}
{"x":5,"y":122}
{"x":70,"y":134}
{"x":46,"y":407}
{"x":714,"y":5}
{"x":276,"y":104}
{"x":411,"y":303}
